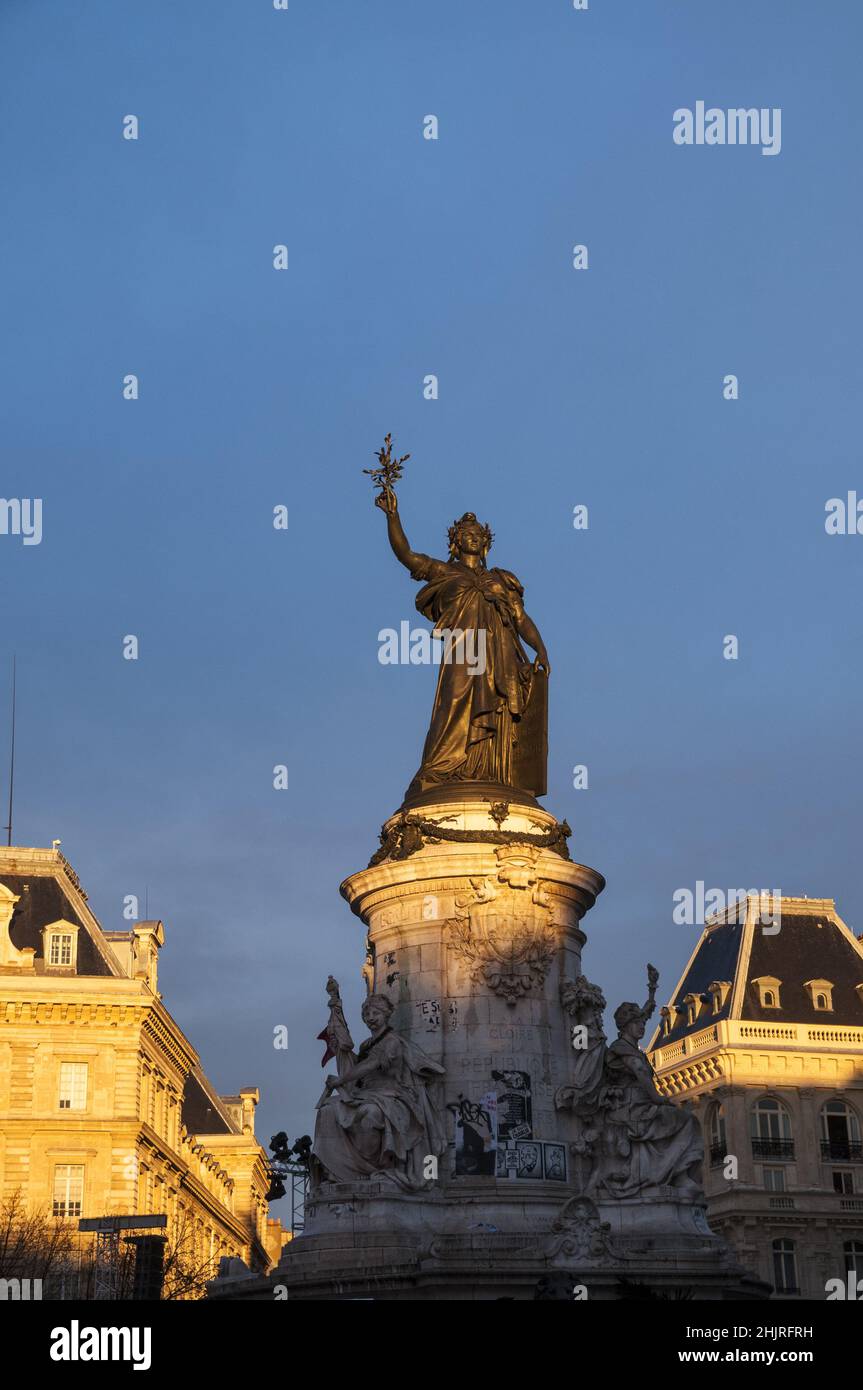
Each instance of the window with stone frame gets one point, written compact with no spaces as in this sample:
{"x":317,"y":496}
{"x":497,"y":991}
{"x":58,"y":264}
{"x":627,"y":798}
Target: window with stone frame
{"x":718,"y":991}
{"x":840,"y":1132}
{"x":820,"y":995}
{"x":768,"y":988}
{"x":843,"y":1181}
{"x":60,"y":948}
{"x":68,"y":1190}
{"x":853,"y":1252}
{"x":73,"y":1086}
{"x":774,"y":1179}
{"x":785,"y":1266}
{"x":770,"y":1130}
{"x":717,"y":1145}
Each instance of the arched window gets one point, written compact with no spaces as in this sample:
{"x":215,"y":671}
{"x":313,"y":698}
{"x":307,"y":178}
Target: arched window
{"x":768,"y":987}
{"x":785,"y":1267}
{"x":821,"y":994}
{"x":840,"y":1132}
{"x":716,"y":1141}
{"x":771,"y":1130}
{"x":853,"y":1251}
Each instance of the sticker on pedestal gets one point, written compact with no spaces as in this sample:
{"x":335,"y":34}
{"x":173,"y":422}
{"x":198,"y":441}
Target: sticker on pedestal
{"x":476,"y":1136}
{"x":554,"y":1162}
{"x":529,"y":1160}
{"x":514,"y":1105}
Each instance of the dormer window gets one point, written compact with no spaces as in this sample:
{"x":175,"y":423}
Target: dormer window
{"x":692,"y":1004}
{"x":667,"y":1021}
{"x":718,"y":991}
{"x":768,"y":991}
{"x":820,"y":995}
{"x":60,"y":946}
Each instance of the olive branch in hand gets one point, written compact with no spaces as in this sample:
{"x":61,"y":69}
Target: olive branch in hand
{"x":390,"y":469}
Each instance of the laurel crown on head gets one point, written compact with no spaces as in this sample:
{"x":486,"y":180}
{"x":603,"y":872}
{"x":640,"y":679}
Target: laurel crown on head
{"x":469,"y":519}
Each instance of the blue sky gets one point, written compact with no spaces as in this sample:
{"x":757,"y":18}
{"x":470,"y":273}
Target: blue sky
{"x":557,"y":387}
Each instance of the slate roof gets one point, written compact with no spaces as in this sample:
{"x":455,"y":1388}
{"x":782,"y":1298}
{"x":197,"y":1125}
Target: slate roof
{"x":715,"y":959}
{"x":42,"y":900}
{"x":202,"y":1111}
{"x":811,"y":944}
{"x":808,"y":947}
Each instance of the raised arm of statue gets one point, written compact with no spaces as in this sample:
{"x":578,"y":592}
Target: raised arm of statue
{"x":388,"y":503}
{"x":652,"y":982}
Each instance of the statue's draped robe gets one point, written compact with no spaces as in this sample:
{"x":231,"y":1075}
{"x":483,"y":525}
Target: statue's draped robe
{"x":385,"y":1123}
{"x":588,"y":1065}
{"x":664,"y":1141}
{"x":471,"y":732}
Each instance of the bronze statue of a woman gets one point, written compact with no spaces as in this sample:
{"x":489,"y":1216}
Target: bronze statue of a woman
{"x":489,"y":720}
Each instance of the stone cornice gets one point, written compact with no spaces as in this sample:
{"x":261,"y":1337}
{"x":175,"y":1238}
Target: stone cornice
{"x":469,"y":862}
{"x":82,"y":1012}
{"x":161,"y":1029}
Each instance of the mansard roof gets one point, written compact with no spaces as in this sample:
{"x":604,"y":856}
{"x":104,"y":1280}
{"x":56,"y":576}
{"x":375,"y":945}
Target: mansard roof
{"x":809,"y":946}
{"x":812,"y":943}
{"x":48,"y":891}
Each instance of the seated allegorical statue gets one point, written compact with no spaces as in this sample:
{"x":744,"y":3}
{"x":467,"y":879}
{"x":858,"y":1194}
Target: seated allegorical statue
{"x":653,"y":1142}
{"x":376,"y":1119}
{"x":630,"y":1141}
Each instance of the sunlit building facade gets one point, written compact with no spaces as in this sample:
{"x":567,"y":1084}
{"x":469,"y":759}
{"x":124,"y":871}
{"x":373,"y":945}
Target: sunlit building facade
{"x":104,"y":1106}
{"x":764,"y":1037}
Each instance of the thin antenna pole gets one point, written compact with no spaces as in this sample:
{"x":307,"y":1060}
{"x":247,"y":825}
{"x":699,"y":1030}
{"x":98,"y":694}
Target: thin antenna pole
{"x":12,"y":755}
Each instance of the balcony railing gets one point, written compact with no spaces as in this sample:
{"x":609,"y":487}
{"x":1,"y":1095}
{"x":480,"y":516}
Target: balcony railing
{"x":773,"y":1148}
{"x":843,"y":1149}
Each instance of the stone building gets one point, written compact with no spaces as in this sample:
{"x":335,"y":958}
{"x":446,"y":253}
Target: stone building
{"x":764,"y":1036}
{"x":104,"y":1106}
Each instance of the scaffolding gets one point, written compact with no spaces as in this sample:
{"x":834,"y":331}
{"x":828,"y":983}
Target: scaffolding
{"x":108,"y":1264}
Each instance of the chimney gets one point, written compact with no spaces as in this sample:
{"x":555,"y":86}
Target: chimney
{"x":148,"y":938}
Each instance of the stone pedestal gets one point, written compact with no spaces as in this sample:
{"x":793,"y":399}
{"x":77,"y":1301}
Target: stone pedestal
{"x":470,"y":938}
{"x":473,"y":911}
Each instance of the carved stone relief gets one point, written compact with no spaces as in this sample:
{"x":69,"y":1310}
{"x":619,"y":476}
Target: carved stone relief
{"x":502,"y":928}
